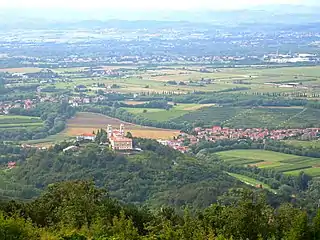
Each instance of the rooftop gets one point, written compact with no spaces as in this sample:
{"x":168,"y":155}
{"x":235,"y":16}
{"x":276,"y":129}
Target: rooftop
{"x":121,"y":139}
{"x":87,"y":135}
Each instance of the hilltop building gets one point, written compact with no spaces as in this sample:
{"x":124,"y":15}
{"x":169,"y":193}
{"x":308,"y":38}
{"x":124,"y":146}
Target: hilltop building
{"x":117,"y":138}
{"x":86,"y":136}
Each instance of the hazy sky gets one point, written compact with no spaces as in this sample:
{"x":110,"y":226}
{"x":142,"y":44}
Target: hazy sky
{"x":146,"y":4}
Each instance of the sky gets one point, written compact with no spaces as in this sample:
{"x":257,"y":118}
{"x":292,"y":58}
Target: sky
{"x":146,"y":4}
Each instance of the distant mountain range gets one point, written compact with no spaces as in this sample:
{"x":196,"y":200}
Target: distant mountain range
{"x":271,"y":14}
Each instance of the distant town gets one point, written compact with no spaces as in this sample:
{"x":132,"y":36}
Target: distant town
{"x":217,"y":133}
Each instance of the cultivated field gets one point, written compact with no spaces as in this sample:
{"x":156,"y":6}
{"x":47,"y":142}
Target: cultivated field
{"x":241,"y":117}
{"x":307,"y":144}
{"x":160,"y":115}
{"x":84,"y":123}
{"x":286,"y":163}
{"x":251,"y":181}
{"x":15,"y":122}
{"x":135,"y":79}
{"x":133,"y":102}
{"x":89,"y":122}
{"x":20,"y":70}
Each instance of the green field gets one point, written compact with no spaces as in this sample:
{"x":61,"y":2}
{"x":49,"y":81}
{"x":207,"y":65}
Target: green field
{"x":155,"y":79}
{"x":306,"y":144}
{"x":236,"y":117}
{"x":161,"y":115}
{"x":251,"y":181}
{"x":16,"y":122}
{"x":241,"y":117}
{"x":286,"y":163}
{"x":49,"y":141}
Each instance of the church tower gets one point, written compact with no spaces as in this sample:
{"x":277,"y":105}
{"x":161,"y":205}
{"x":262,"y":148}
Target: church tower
{"x":109,"y":131}
{"x":122,"y":130}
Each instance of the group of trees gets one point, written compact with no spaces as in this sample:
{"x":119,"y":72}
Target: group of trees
{"x":162,"y":104}
{"x":272,"y":145}
{"x":54,"y":116}
{"x":3,"y":89}
{"x":101,"y":136}
{"x":240,"y":99}
{"x":157,"y":175}
{"x":79,"y":211}
{"x":11,"y":153}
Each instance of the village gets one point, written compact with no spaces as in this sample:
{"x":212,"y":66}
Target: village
{"x":218,"y":133}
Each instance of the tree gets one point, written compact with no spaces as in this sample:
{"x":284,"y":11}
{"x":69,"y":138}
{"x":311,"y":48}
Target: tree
{"x":129,"y":135}
{"x":123,"y":229}
{"x":72,"y":203}
{"x":16,"y":228}
{"x":299,"y":229}
{"x":104,"y":138}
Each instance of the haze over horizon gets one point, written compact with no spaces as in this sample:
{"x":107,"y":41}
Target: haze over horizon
{"x":37,"y":12}
{"x":149,"y":5}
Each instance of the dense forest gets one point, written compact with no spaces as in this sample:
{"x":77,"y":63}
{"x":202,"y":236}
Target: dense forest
{"x":156,"y":175}
{"x":78,"y":211}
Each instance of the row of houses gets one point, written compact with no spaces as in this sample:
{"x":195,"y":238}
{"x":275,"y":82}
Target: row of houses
{"x":6,"y":106}
{"x":218,"y":133}
{"x":76,"y":101}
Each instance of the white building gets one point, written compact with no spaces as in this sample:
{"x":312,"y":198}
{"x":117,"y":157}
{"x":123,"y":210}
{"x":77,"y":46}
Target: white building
{"x":86,"y":136}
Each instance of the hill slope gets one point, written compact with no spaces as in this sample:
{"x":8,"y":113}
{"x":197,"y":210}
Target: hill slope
{"x":156,"y":176}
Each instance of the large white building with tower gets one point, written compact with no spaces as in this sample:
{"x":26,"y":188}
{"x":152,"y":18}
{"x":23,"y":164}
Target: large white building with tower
{"x":117,"y":138}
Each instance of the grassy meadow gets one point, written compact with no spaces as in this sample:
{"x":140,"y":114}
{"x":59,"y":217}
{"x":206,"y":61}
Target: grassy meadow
{"x":138,"y":79}
{"x":161,"y":115}
{"x":16,"y":122}
{"x":251,"y":181}
{"x":306,"y":144}
{"x":286,"y":163}
{"x":243,"y":117}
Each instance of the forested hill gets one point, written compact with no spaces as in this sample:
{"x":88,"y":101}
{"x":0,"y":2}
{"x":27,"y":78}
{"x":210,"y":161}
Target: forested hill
{"x":80,"y":211}
{"x":157,"y":175}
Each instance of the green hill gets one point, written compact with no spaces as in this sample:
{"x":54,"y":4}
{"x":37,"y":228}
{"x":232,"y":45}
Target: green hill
{"x":157,"y":175}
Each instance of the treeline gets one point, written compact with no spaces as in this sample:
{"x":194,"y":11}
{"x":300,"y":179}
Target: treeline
{"x":12,"y":153}
{"x":158,"y":103}
{"x":54,"y":116}
{"x":271,"y":145}
{"x":3,"y":89}
{"x":80,"y":211}
{"x":162,"y":104}
{"x":314,"y":104}
{"x":124,"y":115}
{"x":237,"y":99}
{"x":241,"y":99}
